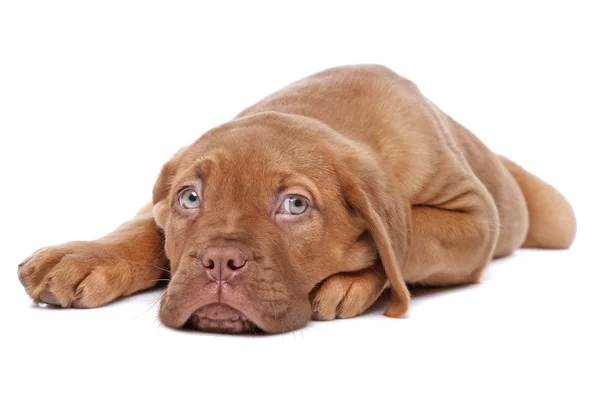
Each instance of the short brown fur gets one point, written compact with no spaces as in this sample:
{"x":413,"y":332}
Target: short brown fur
{"x":398,"y":193}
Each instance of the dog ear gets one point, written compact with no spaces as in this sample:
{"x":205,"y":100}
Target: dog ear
{"x":162,"y":188}
{"x":366,"y":190}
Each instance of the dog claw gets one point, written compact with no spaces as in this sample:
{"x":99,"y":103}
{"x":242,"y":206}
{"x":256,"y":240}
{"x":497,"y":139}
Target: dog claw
{"x":48,"y":298}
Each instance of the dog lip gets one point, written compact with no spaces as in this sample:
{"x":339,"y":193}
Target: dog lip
{"x":221,"y":318}
{"x":220,"y":312}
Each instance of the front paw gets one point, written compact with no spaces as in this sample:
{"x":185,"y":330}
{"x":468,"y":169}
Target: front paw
{"x":347,"y":295}
{"x":76,"y":274}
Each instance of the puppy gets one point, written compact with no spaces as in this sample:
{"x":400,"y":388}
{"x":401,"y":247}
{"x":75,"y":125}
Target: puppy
{"x":309,"y":204}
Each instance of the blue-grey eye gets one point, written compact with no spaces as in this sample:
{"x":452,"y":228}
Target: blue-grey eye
{"x":189,"y":199}
{"x":295,"y":205}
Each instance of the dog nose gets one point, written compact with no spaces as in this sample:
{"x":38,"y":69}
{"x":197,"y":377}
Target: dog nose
{"x":222,"y":263}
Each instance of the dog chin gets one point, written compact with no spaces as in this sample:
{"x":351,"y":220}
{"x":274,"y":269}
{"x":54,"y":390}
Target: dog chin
{"x":221,"y":318}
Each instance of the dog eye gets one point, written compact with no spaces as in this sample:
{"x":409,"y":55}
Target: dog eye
{"x":295,"y":205}
{"x":189,"y":199}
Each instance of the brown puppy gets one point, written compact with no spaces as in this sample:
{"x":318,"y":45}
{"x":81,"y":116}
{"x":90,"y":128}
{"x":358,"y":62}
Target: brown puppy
{"x":311,"y":203}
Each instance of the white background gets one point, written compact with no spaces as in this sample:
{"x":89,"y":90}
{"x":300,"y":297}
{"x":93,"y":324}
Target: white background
{"x":95,"y":96}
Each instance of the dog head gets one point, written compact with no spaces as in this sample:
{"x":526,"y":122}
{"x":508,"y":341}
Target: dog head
{"x":259,"y":211}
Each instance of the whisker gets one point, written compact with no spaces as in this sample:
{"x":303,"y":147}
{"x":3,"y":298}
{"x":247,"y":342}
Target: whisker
{"x":152,"y":305}
{"x":375,"y":269}
{"x":162,"y":269}
{"x":355,"y":262}
{"x":160,"y":280}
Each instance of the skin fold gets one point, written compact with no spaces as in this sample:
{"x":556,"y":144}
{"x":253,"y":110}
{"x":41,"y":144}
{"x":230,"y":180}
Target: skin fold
{"x":391,"y":190}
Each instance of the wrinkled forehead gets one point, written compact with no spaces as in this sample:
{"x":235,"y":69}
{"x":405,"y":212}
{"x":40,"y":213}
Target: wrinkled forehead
{"x":266,"y":140}
{"x":256,"y":157}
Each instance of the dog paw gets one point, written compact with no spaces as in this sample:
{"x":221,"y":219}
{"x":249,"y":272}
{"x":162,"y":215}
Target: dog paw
{"x":76,"y":274}
{"x":347,"y":295}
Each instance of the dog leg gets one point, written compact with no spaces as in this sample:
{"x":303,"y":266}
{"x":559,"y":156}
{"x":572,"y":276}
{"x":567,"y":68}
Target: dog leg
{"x":452,"y":241}
{"x":91,"y":274}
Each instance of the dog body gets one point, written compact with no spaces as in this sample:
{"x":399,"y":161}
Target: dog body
{"x":309,"y":204}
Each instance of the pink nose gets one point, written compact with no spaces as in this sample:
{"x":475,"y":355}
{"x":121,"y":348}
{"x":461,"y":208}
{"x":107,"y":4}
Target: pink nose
{"x":222,"y":263}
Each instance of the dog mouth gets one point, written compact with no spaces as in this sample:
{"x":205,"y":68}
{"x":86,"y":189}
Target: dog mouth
{"x":221,"y":318}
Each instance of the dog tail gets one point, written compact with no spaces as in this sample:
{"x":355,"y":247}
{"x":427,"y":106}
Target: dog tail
{"x":552,"y":223}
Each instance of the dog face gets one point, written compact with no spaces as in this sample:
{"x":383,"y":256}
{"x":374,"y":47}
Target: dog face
{"x":257,"y":213}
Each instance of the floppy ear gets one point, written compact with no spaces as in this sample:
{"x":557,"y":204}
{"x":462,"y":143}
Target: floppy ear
{"x":366,"y":191}
{"x":162,"y":188}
